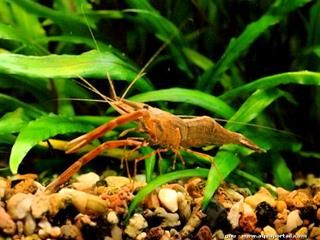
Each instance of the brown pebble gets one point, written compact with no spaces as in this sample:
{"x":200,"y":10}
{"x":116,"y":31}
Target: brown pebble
{"x":69,"y":231}
{"x":315,"y":231}
{"x":281,"y":205}
{"x":318,"y":214}
{"x":316,"y":199}
{"x":302,"y":232}
{"x":204,"y":233}
{"x":248,"y":223}
{"x":298,"y":198}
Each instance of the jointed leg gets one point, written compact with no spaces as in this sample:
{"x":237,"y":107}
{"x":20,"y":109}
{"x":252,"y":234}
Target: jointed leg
{"x":206,"y":156}
{"x":79,"y":142}
{"x":75,"y":167}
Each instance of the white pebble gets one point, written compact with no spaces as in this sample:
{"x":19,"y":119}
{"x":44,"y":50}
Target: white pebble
{"x":86,"y":181}
{"x":293,"y":221}
{"x":112,"y":218}
{"x":169,"y":199}
{"x":19,"y":205}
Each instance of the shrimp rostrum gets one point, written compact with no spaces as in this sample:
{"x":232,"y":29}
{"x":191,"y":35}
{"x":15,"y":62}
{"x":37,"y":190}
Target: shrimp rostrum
{"x":162,"y":129}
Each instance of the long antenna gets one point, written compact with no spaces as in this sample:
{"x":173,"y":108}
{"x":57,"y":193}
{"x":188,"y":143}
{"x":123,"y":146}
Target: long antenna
{"x":142,"y":71}
{"x":90,"y":30}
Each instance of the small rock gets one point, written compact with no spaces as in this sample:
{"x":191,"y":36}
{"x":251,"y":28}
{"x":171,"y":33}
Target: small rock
{"x":3,"y":187}
{"x":265,"y":214}
{"x":270,"y":233}
{"x":55,"y":232}
{"x":19,"y":205}
{"x":293,"y":221}
{"x":167,"y":219}
{"x":184,"y":205}
{"x":315,"y":231}
{"x":316,"y":199}
{"x":86,"y":181}
{"x":204,"y":233}
{"x":29,"y":225}
{"x":116,"y":233}
{"x":142,"y":236}
{"x":169,"y":199}
{"x":281,"y":205}
{"x":136,"y":225}
{"x":218,"y":235}
{"x":263,"y":195}
{"x":40,"y":205}
{"x":152,"y":201}
{"x":302,"y":232}
{"x":298,"y":198}
{"x":7,"y":225}
{"x":117,"y":181}
{"x":69,"y":231}
{"x":234,"y":214}
{"x":248,"y":219}
{"x":112,"y":218}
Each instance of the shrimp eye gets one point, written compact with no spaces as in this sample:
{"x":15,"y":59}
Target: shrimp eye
{"x":145,"y":106}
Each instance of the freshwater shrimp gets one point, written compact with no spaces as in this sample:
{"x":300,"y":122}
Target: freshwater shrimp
{"x":163,"y":129}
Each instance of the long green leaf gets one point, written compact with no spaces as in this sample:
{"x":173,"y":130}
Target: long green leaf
{"x":9,"y":103}
{"x":256,"y":103}
{"x":39,"y":130}
{"x":90,"y":64}
{"x":12,"y":122}
{"x":165,"y":178}
{"x":237,"y":46}
{"x":194,"y":97}
{"x":163,"y":29}
{"x":225,"y":162}
{"x":68,"y":22}
{"x":281,"y":173}
{"x":301,"y":78}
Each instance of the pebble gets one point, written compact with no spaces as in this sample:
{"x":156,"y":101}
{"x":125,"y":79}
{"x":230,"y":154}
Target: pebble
{"x":315,"y":231}
{"x":293,"y":221}
{"x":281,"y":205}
{"x":136,"y":225}
{"x":69,"y":231}
{"x":302,"y":232}
{"x":19,"y":205}
{"x":263,"y":195}
{"x":112,"y":218}
{"x":270,"y":233}
{"x":29,"y":225}
{"x":169,"y":199}
{"x":6,"y":223}
{"x":298,"y":198}
{"x":85,"y":181}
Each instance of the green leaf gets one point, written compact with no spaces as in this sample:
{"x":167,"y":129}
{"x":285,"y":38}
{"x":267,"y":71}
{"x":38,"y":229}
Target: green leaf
{"x":163,"y":29}
{"x":149,"y":162}
{"x":9,"y":103}
{"x":90,"y":64}
{"x":281,"y":173}
{"x":198,"y":59}
{"x":225,"y":162}
{"x":301,"y":78}
{"x":67,"y":22}
{"x":194,"y":97}
{"x":8,"y":32}
{"x":12,"y":122}
{"x":237,"y":46}
{"x":255,"y":104}
{"x":41,"y":129}
{"x":165,"y":178}
{"x":35,"y":86}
